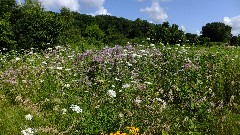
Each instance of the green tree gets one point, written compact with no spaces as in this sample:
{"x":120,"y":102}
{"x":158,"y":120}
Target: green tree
{"x":6,"y":33}
{"x":192,"y":38}
{"x":234,"y":41}
{"x":7,"y":6}
{"x":162,"y":33}
{"x":113,"y":37}
{"x":94,"y":35}
{"x":34,"y":27}
{"x":176,"y":35}
{"x":204,"y":41}
{"x":71,"y":32}
{"x":217,"y":32}
{"x":238,"y":40}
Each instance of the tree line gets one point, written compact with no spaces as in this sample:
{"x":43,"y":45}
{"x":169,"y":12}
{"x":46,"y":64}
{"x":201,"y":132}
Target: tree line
{"x":29,"y":25}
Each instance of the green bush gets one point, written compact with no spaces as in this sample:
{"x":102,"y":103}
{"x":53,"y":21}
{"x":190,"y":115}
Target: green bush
{"x":6,"y":34}
{"x":35,"y":28}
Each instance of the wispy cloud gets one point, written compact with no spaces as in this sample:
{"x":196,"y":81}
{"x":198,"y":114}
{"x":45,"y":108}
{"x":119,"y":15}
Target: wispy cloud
{"x":76,"y":5}
{"x":55,"y":5}
{"x":155,"y":12}
{"x":156,"y":0}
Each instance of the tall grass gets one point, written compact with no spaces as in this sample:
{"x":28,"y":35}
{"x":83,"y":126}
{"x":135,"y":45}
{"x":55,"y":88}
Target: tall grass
{"x":158,"y":89}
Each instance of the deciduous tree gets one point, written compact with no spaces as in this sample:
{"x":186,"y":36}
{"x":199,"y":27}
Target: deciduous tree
{"x":217,"y":32}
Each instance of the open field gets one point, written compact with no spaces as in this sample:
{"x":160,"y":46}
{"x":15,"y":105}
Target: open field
{"x":157,"y":89}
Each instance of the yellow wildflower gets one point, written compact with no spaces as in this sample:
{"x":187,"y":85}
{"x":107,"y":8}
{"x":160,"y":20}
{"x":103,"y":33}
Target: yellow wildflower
{"x":133,"y":130}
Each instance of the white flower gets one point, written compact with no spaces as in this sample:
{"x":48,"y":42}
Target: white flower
{"x":67,"y":85}
{"x":160,"y":100}
{"x":76,"y":108}
{"x":44,"y":62}
{"x":64,"y":110}
{"x":113,"y":86}
{"x":148,"y":83}
{"x":121,"y":115}
{"x":133,"y":81}
{"x":17,"y":58}
{"x":111,"y":93}
{"x":126,"y":86}
{"x":24,"y":81}
{"x":178,"y":45}
{"x":164,"y":104}
{"x":142,"y":51}
{"x":117,"y":79}
{"x":129,"y":64}
{"x":152,"y":45}
{"x":28,"y":117}
{"x":28,"y":131}
{"x":136,"y":55}
{"x":138,"y":101}
{"x":58,"y":47}
{"x":97,"y":106}
{"x":59,"y":68}
{"x":67,"y":69}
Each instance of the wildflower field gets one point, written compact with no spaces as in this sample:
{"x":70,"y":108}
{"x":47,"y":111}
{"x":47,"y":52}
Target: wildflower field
{"x":142,"y":89}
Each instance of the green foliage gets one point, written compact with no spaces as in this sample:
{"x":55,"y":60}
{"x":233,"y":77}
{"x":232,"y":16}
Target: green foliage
{"x":204,"y":41}
{"x":238,"y":40}
{"x":7,"y":6}
{"x":176,"y":35}
{"x":94,"y":35}
{"x":159,"y":89}
{"x":217,"y":32}
{"x":234,"y":41}
{"x":6,"y":33}
{"x":192,"y":39}
{"x":30,"y":26}
{"x":35,"y":28}
{"x":166,"y":34}
{"x":94,"y":31}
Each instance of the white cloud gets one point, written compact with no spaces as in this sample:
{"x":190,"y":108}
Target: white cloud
{"x":198,"y":32}
{"x":234,"y":22}
{"x":156,"y":0}
{"x":55,"y":5}
{"x":76,"y":5}
{"x":156,"y":13}
{"x":183,"y":28}
{"x":101,"y":11}
{"x":92,"y":3}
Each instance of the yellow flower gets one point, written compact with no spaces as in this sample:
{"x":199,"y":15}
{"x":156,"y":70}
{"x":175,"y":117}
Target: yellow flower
{"x":133,"y":130}
{"x":118,"y":133}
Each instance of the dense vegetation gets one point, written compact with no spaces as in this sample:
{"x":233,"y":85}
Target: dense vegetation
{"x":71,"y":73}
{"x":158,"y":89}
{"x":28,"y":26}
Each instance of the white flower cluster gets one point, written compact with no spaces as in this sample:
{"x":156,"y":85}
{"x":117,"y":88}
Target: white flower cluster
{"x":64,"y":110}
{"x":126,"y":86}
{"x":28,"y":117}
{"x":76,"y":108}
{"x":28,"y":131}
{"x":111,"y":93}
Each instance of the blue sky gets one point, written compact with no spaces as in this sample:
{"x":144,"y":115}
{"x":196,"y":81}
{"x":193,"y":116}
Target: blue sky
{"x":190,"y":15}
